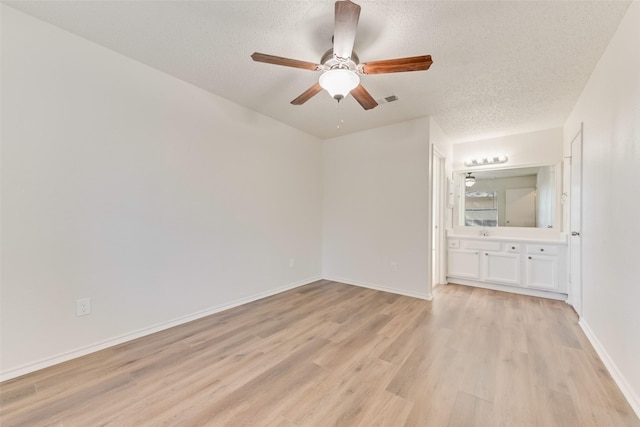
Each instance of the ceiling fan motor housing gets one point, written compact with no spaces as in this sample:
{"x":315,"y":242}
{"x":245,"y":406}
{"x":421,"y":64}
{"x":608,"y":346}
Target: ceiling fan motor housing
{"x":330,"y":61}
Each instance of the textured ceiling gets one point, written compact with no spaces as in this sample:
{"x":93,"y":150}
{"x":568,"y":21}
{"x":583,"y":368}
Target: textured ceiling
{"x":499,"y":67}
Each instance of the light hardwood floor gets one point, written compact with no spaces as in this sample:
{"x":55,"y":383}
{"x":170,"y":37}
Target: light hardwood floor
{"x":330,"y":354}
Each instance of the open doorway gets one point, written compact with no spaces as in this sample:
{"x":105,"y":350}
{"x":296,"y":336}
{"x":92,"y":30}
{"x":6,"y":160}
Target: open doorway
{"x":438,"y":203}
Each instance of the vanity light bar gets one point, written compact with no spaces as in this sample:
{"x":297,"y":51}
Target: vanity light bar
{"x":486,"y":161}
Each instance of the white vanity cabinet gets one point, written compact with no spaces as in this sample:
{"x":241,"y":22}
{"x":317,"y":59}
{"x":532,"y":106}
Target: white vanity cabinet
{"x":501,"y":267}
{"x":529,"y":267}
{"x":542,"y":266}
{"x":464,"y":263}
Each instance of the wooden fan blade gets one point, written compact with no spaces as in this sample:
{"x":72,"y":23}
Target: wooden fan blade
{"x":287,"y":62}
{"x":346,"y":24}
{"x":414,"y":63}
{"x":307,"y":94}
{"x":364,"y":98}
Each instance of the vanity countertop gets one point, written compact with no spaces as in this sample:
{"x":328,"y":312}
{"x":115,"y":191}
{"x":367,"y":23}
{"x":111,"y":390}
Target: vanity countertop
{"x":562,"y":239}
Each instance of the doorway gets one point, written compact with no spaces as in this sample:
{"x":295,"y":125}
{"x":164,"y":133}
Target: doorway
{"x":438,"y":194}
{"x":520,"y":207}
{"x":575,"y":223}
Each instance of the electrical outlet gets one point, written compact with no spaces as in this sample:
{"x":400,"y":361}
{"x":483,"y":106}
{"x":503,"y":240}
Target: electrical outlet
{"x":292,"y":262}
{"x":394,"y":266}
{"x":83,"y":307}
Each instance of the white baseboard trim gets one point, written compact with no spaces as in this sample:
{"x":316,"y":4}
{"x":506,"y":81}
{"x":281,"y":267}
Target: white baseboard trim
{"x":92,"y":348}
{"x":425,"y":295}
{"x":509,"y":288}
{"x":625,"y":388}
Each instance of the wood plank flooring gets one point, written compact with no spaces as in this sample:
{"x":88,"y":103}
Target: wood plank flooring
{"x":329,"y":354}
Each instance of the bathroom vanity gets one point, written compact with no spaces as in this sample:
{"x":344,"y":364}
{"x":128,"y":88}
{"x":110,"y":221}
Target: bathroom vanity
{"x":512,"y":246}
{"x":527,"y":266}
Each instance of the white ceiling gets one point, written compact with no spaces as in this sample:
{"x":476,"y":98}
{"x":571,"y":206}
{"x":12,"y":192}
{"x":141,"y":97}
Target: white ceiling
{"x":500,"y":67}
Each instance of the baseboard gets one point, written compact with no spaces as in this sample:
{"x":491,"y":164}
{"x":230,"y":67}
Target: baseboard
{"x":425,"y":295}
{"x":623,"y":385}
{"x":83,"y":351}
{"x":509,"y":288}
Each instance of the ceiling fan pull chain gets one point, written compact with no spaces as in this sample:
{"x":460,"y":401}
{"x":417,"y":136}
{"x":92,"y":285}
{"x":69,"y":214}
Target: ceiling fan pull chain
{"x":340,"y":119}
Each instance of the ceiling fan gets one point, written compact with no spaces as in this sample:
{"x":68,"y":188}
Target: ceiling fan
{"x":341,"y":66}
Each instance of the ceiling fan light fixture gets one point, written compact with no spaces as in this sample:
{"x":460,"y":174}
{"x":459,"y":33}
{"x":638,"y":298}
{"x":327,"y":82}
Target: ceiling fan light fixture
{"x":339,"y":82}
{"x":469,"y":180}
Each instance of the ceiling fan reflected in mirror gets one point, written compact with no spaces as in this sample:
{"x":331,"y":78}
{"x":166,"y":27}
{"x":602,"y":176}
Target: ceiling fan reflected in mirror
{"x":341,"y":67}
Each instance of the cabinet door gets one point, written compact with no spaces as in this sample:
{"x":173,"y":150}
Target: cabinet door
{"x":501,"y":267}
{"x":463,"y":263}
{"x":542,"y":271}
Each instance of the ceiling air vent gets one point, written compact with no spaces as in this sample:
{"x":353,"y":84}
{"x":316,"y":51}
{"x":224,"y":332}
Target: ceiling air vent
{"x":387,"y":99}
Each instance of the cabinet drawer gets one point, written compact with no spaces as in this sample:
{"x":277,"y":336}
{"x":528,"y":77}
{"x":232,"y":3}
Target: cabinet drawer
{"x":481,"y":244}
{"x":454,"y":244}
{"x":543,"y":249}
{"x":512,"y":247}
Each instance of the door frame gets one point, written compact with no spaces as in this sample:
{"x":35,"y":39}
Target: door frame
{"x":575,"y":212}
{"x":437,"y":241}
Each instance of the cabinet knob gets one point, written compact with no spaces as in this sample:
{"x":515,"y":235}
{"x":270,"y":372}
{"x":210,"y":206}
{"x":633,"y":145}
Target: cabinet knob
{"x":529,"y":257}
{"x":513,"y":247}
{"x":541,"y":250}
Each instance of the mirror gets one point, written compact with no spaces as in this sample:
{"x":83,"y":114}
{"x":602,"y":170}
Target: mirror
{"x":519,"y":197}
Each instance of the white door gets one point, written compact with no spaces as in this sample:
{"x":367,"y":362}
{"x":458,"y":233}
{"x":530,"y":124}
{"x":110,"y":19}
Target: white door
{"x":575,"y":221}
{"x":520,"y":209}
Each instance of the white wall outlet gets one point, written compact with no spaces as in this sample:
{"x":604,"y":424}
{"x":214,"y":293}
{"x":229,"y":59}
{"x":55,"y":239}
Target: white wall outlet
{"x":292,"y":262}
{"x":83,"y":307}
{"x":394,"y":266}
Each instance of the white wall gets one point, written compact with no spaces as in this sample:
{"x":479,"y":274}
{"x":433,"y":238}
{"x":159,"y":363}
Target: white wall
{"x":376,"y":208}
{"x":610,"y":109}
{"x":159,"y":201}
{"x":442,"y":143}
{"x":538,"y":148}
